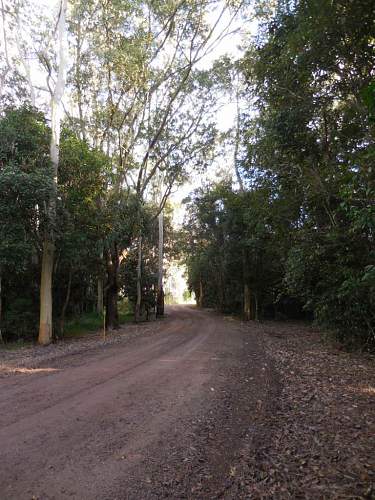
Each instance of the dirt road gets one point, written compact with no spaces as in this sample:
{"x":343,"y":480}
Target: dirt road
{"x":163,"y":415}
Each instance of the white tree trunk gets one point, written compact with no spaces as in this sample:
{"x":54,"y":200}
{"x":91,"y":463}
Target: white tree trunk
{"x":57,"y":95}
{"x":6,"y":54}
{"x":45,"y":322}
{"x":237,"y":139}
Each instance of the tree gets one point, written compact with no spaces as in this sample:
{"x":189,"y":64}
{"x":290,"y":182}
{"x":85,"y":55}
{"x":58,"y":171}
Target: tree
{"x":83,"y":177}
{"x":25,"y":190}
{"x":312,"y":140}
{"x":234,"y":264}
{"x":46,"y":301}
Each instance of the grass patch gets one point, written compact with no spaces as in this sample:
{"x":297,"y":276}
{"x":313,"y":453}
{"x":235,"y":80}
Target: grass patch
{"x":78,"y":327}
{"x":92,"y":322}
{"x":87,"y":323}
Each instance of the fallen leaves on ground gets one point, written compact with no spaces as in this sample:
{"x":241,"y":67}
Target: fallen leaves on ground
{"x":318,"y":439}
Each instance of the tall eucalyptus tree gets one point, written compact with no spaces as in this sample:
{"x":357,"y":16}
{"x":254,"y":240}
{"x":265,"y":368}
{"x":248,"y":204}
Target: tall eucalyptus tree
{"x":47,"y":48}
{"x":57,"y":92}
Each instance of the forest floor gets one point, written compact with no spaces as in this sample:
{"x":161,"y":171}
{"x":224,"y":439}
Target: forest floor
{"x":193,"y":406}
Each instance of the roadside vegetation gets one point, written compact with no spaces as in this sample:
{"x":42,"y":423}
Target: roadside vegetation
{"x":107,"y":109}
{"x":92,"y":322}
{"x":294,"y":236}
{"x":89,"y":157}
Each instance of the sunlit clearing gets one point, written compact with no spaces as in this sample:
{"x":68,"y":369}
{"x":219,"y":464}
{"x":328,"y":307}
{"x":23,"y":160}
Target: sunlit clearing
{"x":176,"y":288}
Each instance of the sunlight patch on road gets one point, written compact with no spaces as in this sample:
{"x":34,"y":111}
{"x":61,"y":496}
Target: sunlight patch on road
{"x":29,"y":371}
{"x":364,"y":390}
{"x":369,"y":390}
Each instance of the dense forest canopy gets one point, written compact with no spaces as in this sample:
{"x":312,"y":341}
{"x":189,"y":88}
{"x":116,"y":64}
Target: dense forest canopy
{"x":107,"y":107}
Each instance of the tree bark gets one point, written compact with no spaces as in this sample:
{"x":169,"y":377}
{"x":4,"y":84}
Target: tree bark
{"x":78,"y":81}
{"x":24,"y":60}
{"x":200,"y":298}
{"x":221,"y":291}
{"x":256,"y":317}
{"x":247,"y":302}
{"x":247,"y":309}
{"x":160,"y":295}
{"x":111,"y":318}
{"x":45,"y":319}
{"x":139,"y":281}
{"x":100,"y":297}
{"x":66,"y":302}
{"x":1,"y":310}
{"x":100,"y":290}
{"x":237,"y":140}
{"x":6,"y":54}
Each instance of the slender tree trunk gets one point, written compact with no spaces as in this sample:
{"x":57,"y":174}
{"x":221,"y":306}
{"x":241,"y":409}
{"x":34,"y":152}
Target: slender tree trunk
{"x":78,"y":80}
{"x":160,"y":297}
{"x":139,"y":281}
{"x":100,"y":290}
{"x":246,"y":288}
{"x":112,"y":318}
{"x":25,"y":61}
{"x":45,"y":321}
{"x":237,"y":140}
{"x":200,"y":298}
{"x":6,"y":54}
{"x":247,"y":302}
{"x":66,"y":302}
{"x":1,"y":310}
{"x":221,"y":290}
{"x":256,"y":317}
{"x":100,"y":297}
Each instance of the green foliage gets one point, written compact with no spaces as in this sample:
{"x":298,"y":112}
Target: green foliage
{"x":149,"y":266}
{"x":84,"y":324}
{"x":20,"y":319}
{"x":313,"y":141}
{"x":25,"y":185}
{"x":230,"y":242}
{"x":26,"y":188}
{"x":24,"y":138}
{"x":368,"y":96}
{"x":301,"y":233}
{"x":92,"y":322}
